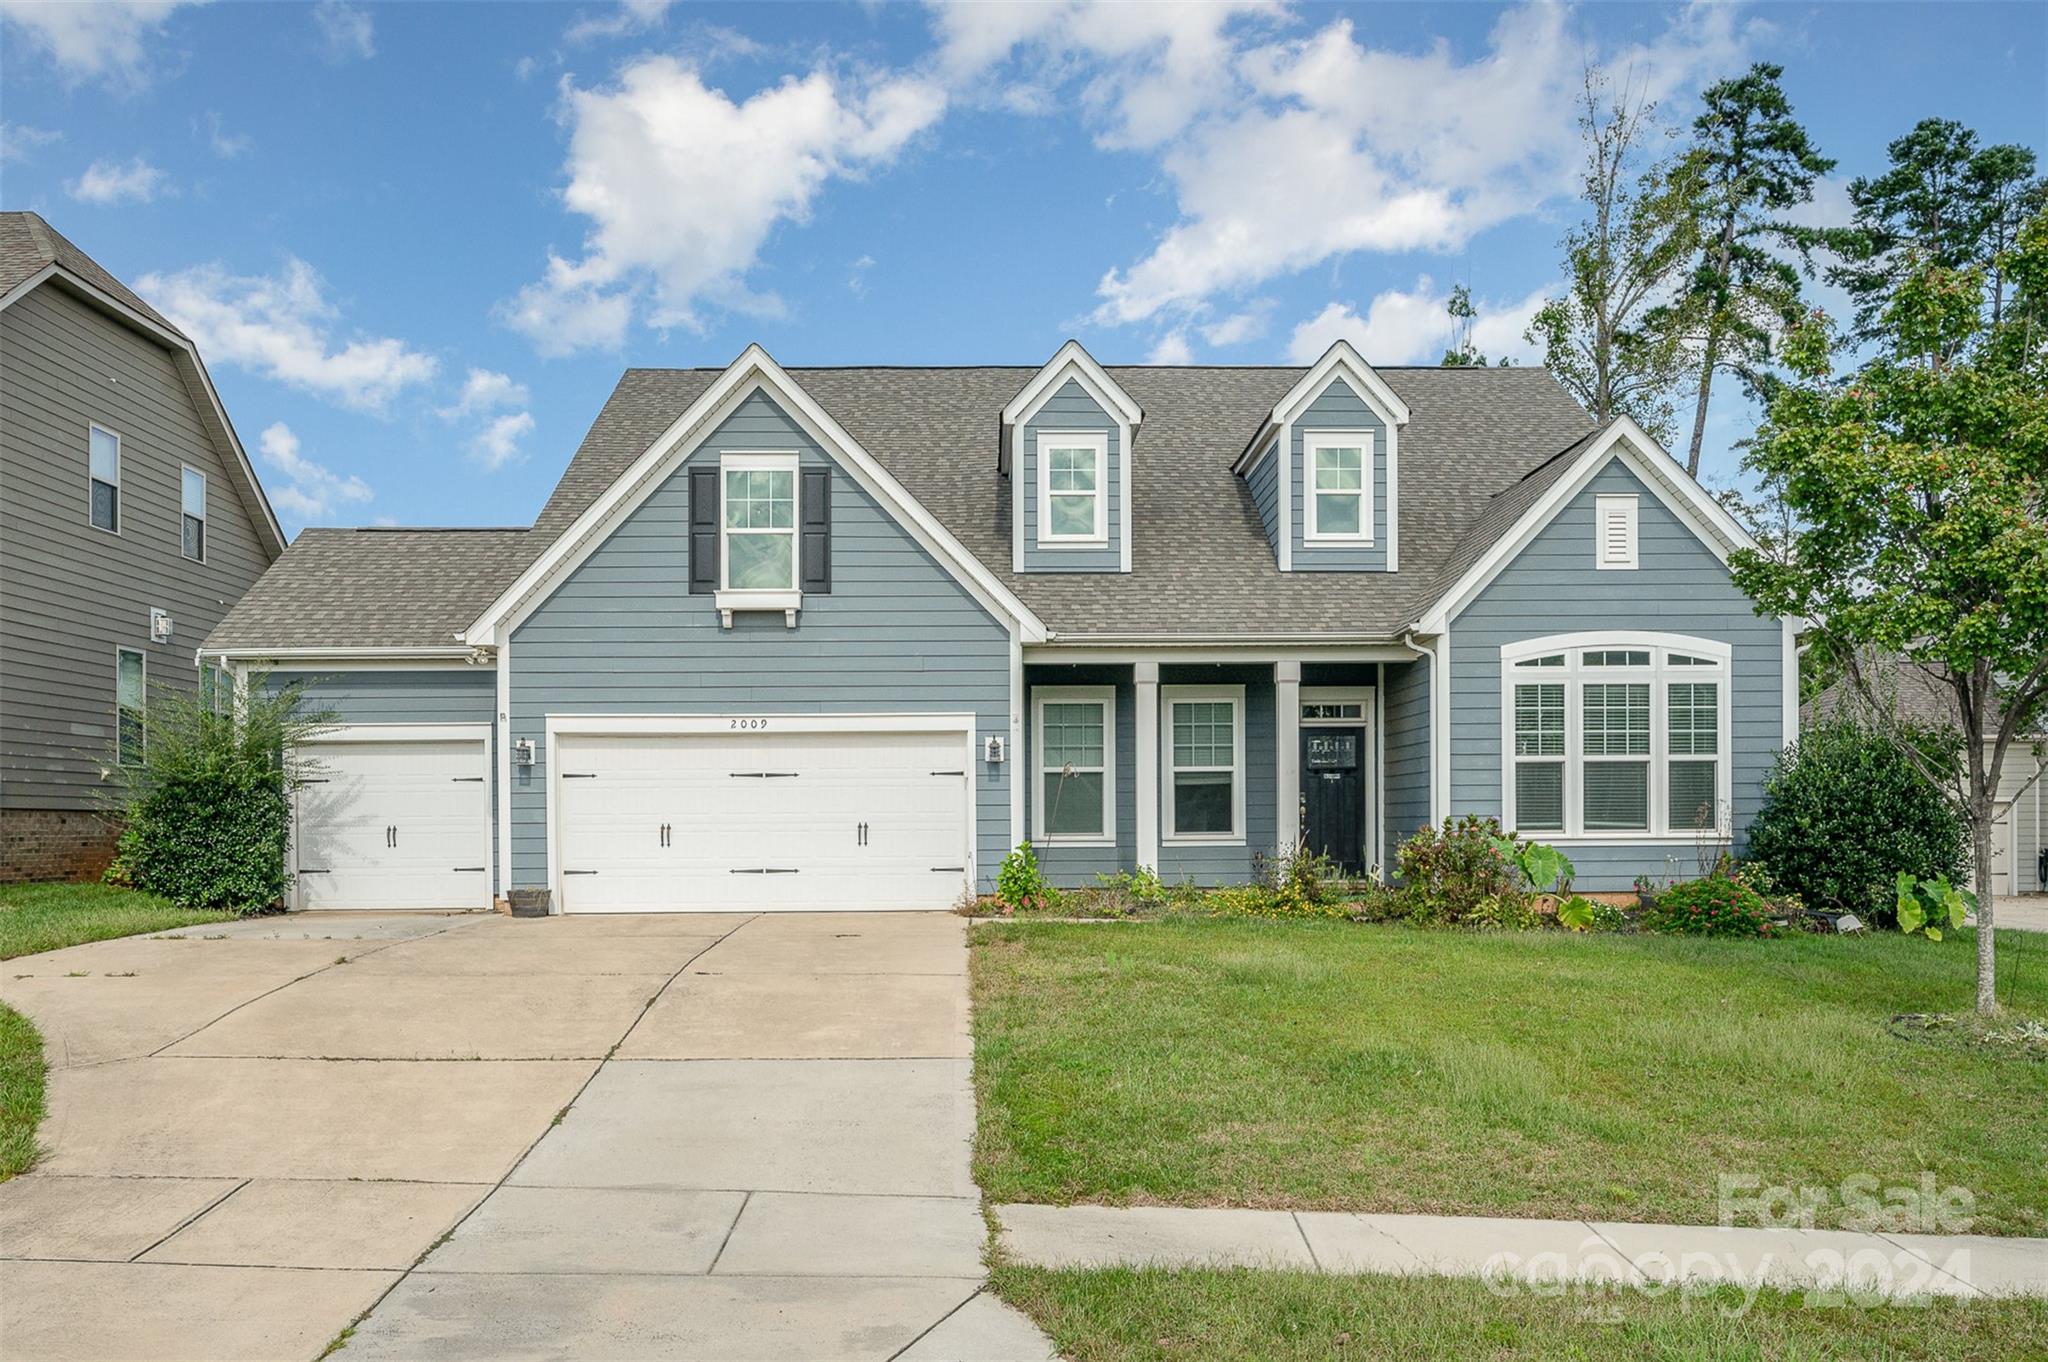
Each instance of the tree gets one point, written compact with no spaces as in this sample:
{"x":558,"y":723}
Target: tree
{"x":1463,"y":354}
{"x":1945,"y":203}
{"x":1750,"y":161}
{"x":1920,"y":489}
{"x":1599,"y":339}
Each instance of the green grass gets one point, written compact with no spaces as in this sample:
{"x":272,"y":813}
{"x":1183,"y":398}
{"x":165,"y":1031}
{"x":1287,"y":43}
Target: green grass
{"x":46,"y":917}
{"x":1128,"y":1314}
{"x":1337,"y":1066}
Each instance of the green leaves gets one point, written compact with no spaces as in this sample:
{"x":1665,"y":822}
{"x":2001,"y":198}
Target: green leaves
{"x":1927,"y":906}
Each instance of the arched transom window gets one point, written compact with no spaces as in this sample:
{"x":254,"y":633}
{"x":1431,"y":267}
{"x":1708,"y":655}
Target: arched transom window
{"x":1614,"y":737}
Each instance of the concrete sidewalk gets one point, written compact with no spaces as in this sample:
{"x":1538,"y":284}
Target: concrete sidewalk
{"x":1866,"y":1266}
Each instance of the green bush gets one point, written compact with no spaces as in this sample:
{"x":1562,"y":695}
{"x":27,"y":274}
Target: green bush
{"x":1301,"y":883}
{"x":1448,"y":872}
{"x":1021,"y":886}
{"x":207,"y":812}
{"x":1845,"y":810}
{"x":1714,"y":906}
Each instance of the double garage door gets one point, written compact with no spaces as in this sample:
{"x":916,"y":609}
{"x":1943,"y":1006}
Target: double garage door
{"x":396,"y":821}
{"x":754,"y":820}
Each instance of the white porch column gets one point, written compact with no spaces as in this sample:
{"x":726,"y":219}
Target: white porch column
{"x":1287,"y":754}
{"x":1146,"y":674}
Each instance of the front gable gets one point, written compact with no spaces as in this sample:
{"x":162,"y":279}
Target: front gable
{"x":799,"y":426}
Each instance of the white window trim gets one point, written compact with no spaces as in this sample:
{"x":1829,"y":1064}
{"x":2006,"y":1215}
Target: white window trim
{"x":1609,"y":504}
{"x":1098,"y":442}
{"x":1314,"y":440}
{"x":1660,"y":676}
{"x":205,"y":494}
{"x":1169,"y":696}
{"x":90,"y":478}
{"x":1104,"y":696}
{"x":787,"y":599}
{"x":142,"y":754}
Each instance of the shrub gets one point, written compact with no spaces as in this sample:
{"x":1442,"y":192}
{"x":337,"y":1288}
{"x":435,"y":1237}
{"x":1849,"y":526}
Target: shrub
{"x":1447,"y":872}
{"x":1021,"y":886}
{"x":1715,"y":906}
{"x":208,"y":811}
{"x":1844,"y":810}
{"x":1302,"y":883}
{"x":1516,"y":913}
{"x":1930,"y":905}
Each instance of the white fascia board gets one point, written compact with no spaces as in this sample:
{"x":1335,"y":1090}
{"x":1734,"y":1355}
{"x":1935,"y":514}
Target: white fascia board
{"x":1663,"y":475}
{"x":753,"y":370}
{"x":1072,"y":361}
{"x":170,"y":340}
{"x":1340,"y":356}
{"x":455,"y":655}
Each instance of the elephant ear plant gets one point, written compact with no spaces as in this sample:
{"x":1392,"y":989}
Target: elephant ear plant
{"x":1930,"y":905}
{"x":205,"y":796}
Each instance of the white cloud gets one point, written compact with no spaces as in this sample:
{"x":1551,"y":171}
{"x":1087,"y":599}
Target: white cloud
{"x":19,"y":142}
{"x":857,"y":276}
{"x":1370,"y":149}
{"x":1413,"y":326}
{"x":1143,"y":71}
{"x":225,"y":144}
{"x":103,"y":41}
{"x":279,"y":325}
{"x":486,"y":390}
{"x":497,"y":444}
{"x":630,"y":16}
{"x":311,"y":491}
{"x":1239,"y":327}
{"x":1172,"y":348}
{"x":103,"y":182}
{"x":346,"y":32}
{"x":683,"y":186}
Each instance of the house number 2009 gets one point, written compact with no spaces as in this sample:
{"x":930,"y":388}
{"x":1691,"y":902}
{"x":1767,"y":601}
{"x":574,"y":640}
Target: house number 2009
{"x":749,"y":723}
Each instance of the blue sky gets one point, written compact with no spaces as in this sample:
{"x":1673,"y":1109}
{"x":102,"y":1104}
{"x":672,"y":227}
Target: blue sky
{"x":418,"y":243}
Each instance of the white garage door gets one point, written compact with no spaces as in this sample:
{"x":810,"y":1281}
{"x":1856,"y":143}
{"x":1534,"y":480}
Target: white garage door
{"x":396,"y":823}
{"x":754,"y":821}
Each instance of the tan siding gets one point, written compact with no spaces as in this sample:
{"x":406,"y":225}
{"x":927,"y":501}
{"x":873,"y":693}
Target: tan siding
{"x":71,"y":594}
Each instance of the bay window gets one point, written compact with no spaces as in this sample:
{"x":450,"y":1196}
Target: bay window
{"x":1615,"y":738}
{"x":1074,"y":737}
{"x":1203,"y":757}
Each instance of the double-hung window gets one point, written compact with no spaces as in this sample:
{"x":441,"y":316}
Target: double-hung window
{"x":1073,"y":503}
{"x":131,"y":671}
{"x":104,"y":458}
{"x":1609,"y":739}
{"x":1204,"y":763}
{"x":1339,"y":472}
{"x":1076,"y":746}
{"x":760,"y":534}
{"x":192,"y":525}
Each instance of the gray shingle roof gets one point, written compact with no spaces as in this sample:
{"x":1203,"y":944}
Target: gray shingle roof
{"x":28,"y":243}
{"x":375,"y":588}
{"x":1480,"y":446}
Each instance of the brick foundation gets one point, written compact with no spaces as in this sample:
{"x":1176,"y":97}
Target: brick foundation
{"x":54,"y":844}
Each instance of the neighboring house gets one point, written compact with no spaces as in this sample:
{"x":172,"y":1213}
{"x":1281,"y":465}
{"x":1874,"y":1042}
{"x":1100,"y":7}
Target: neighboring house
{"x":842,"y":638}
{"x":130,"y":521}
{"x":1916,"y":695}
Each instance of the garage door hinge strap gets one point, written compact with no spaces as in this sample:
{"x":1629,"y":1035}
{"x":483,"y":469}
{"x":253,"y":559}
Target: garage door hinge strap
{"x":763,"y":775}
{"x":463,"y":780}
{"x":467,"y":869}
{"x":579,"y":872}
{"x":950,"y":869}
{"x":949,"y":773}
{"x":579,"y":775}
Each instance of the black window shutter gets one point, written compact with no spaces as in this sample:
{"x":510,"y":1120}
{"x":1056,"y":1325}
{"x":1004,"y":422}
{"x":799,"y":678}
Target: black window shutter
{"x":704,"y":514}
{"x":817,"y":530}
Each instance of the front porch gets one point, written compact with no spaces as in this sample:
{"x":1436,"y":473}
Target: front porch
{"x":1200,"y":768}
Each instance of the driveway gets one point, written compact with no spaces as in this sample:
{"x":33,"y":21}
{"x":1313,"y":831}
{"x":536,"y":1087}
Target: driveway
{"x":676,"y":1136}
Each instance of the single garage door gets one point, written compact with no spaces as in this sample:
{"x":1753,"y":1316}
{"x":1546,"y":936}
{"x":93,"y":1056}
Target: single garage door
{"x":760,"y":821}
{"x":396,"y":823}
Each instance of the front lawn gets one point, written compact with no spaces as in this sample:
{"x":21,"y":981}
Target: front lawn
{"x":1127,"y":1314}
{"x":44,"y":917}
{"x":1337,"y":1066}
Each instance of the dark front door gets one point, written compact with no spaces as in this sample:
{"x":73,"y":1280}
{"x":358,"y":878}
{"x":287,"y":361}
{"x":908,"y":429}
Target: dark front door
{"x":1333,"y":794}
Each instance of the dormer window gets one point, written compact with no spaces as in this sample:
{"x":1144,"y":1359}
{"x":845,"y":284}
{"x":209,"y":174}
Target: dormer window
{"x":760,"y":522}
{"x":1340,"y":494}
{"x":1073,"y":468}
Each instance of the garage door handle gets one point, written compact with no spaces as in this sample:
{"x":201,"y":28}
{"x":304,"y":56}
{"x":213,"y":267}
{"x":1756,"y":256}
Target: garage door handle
{"x":763,"y":775}
{"x":763,"y":870}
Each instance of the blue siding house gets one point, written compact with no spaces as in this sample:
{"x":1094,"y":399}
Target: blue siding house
{"x":840,"y":638}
